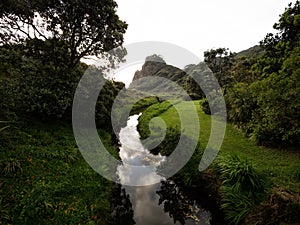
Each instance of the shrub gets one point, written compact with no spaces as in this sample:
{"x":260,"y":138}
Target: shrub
{"x":240,"y":174}
{"x":236,"y":205}
{"x":240,"y":105}
{"x":214,"y":105}
{"x":241,"y":188}
{"x":205,"y":106}
{"x":150,"y":113}
{"x":42,"y":86}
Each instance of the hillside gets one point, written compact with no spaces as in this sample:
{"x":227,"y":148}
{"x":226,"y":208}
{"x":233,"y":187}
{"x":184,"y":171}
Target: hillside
{"x":155,"y":66}
{"x":251,"y":52}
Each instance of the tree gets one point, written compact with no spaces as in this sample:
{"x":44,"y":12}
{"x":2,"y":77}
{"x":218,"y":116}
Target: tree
{"x":220,"y":61}
{"x":276,"y":120}
{"x":268,"y":109}
{"x":41,"y":44}
{"x":278,"y":46}
{"x":85,"y":27}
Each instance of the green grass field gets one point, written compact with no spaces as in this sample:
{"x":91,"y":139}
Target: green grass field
{"x":281,"y":166}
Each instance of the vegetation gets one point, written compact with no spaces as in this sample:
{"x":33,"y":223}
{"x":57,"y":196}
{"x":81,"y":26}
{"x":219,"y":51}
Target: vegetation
{"x":219,"y":61}
{"x":151,"y":112}
{"x":44,"y":179}
{"x":82,"y":27}
{"x":143,"y":104}
{"x":242,"y":187}
{"x":262,"y":91}
{"x":243,"y":166}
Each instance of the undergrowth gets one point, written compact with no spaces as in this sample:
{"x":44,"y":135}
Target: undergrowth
{"x":45,"y":180}
{"x":242,"y":187}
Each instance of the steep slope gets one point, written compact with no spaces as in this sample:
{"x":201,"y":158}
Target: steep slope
{"x":155,"y":66}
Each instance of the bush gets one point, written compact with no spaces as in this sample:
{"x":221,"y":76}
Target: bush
{"x":42,"y":87}
{"x":242,"y":187}
{"x":205,"y":106}
{"x":36,"y":84}
{"x":213,"y":105}
{"x":276,"y":120}
{"x":240,"y":105}
{"x":150,"y":113}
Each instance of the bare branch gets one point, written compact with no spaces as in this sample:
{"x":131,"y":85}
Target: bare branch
{"x":32,"y":26}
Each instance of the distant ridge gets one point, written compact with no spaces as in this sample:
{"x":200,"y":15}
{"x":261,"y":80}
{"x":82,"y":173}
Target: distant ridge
{"x":252,"y":52}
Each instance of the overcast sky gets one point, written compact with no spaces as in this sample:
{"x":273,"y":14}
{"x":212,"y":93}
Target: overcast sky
{"x":199,"y":25}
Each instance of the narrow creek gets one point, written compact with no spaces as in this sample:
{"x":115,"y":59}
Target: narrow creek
{"x":158,"y":204}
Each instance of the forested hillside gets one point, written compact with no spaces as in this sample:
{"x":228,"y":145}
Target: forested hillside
{"x":261,"y":87}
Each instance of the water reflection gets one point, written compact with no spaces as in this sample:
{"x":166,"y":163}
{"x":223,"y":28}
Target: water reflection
{"x":144,"y":199}
{"x":179,"y":207}
{"x":133,"y":154}
{"x":123,"y":212}
{"x":159,"y":204}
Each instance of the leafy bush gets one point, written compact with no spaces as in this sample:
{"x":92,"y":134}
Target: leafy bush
{"x":143,"y":104}
{"x":38,"y":84}
{"x":212,"y":105}
{"x":46,"y":91}
{"x":268,"y":106}
{"x":240,"y":104}
{"x":267,"y":109}
{"x":241,"y":188}
{"x":276,"y":120}
{"x":168,"y":145}
{"x":205,"y":106}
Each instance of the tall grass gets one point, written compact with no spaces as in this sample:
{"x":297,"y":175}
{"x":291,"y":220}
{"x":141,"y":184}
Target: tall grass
{"x":240,"y":174}
{"x":242,"y":187}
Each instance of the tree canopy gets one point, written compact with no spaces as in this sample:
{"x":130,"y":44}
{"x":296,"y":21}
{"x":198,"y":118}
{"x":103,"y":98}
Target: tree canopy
{"x":268,"y":107}
{"x":41,"y":44}
{"x":220,"y":61}
{"x":85,"y":27}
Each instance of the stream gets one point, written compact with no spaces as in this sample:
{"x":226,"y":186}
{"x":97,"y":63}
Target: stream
{"x":158,"y":204}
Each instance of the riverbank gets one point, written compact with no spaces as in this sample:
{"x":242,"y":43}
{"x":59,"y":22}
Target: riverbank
{"x":45,"y":180}
{"x":279,"y":167}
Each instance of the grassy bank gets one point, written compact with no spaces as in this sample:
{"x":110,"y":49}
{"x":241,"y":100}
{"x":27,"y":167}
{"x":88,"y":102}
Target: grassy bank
{"x":282,"y":166}
{"x":45,"y":180}
{"x":279,"y":167}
